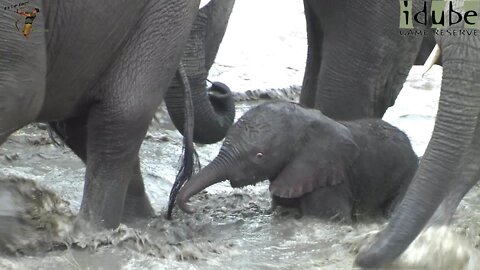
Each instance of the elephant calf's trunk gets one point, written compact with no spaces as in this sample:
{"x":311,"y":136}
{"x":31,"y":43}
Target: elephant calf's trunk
{"x":205,"y":178}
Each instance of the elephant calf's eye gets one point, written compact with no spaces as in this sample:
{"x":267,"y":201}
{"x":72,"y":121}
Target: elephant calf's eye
{"x":259,"y":155}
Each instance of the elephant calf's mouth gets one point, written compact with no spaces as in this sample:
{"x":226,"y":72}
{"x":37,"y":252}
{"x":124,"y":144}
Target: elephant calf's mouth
{"x":245,"y":182}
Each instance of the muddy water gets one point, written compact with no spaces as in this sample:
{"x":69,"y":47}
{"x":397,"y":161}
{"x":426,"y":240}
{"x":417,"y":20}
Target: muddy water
{"x":232,"y":229}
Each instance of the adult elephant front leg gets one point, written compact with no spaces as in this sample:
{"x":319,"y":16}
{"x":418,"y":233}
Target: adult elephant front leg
{"x":129,"y":94}
{"x":113,"y":143}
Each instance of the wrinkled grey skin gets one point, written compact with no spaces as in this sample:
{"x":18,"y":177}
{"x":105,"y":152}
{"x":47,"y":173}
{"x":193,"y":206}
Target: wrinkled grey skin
{"x":341,"y":170}
{"x":214,"y":108}
{"x":99,"y":72}
{"x":451,"y":164}
{"x":344,"y":37}
{"x":357,"y":61}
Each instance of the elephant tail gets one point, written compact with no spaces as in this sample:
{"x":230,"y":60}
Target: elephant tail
{"x":189,"y":155}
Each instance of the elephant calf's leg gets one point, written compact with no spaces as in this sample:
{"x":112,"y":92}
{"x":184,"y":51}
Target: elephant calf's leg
{"x":329,"y":203}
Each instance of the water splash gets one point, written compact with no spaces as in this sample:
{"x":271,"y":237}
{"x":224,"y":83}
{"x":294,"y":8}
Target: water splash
{"x":32,"y":218}
{"x":439,"y":248}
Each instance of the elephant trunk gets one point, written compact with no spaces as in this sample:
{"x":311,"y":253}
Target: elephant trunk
{"x":214,"y":109}
{"x":454,"y":131}
{"x":211,"y":174}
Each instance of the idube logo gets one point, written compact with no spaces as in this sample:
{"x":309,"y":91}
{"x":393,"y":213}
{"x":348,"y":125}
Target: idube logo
{"x":441,"y":16}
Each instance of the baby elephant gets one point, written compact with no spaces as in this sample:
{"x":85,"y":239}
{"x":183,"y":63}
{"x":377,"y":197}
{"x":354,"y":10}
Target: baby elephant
{"x":333,"y":170}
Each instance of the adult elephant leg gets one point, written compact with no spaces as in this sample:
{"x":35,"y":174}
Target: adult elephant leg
{"x":74,"y":133}
{"x":314,"y":57}
{"x":214,"y":108}
{"x":128,"y":96}
{"x":364,"y":61}
{"x":113,"y":142}
{"x":456,"y":128}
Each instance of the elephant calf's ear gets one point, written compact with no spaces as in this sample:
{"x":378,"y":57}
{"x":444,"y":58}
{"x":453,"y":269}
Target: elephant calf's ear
{"x":322,"y":158}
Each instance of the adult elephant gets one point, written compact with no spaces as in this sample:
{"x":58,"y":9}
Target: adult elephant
{"x":357,"y":61}
{"x":100,"y":80}
{"x":451,"y":164}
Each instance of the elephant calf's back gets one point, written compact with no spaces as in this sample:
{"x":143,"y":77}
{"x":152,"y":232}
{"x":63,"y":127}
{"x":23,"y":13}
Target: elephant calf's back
{"x":385,"y":166}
